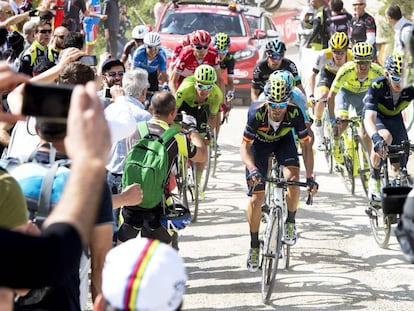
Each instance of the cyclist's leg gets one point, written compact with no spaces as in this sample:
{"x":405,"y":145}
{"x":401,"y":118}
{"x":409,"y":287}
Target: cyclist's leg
{"x":341,"y":112}
{"x":325,"y":81}
{"x":398,"y":134}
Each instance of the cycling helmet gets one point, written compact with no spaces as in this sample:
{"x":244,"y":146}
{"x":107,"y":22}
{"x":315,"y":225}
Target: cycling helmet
{"x":285,"y":75}
{"x":338,"y":41}
{"x":394,"y":63}
{"x":277,"y":90}
{"x":176,"y":217}
{"x":139,"y":32}
{"x":275,"y":47}
{"x":362,"y":51}
{"x":152,"y":39}
{"x":205,"y":74}
{"x":221,"y":41}
{"x":201,"y":37}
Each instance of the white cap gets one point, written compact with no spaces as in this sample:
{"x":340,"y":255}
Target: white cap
{"x":143,"y":274}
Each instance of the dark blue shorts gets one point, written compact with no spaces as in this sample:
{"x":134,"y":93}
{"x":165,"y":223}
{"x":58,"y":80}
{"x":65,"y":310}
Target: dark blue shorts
{"x":397,"y":129}
{"x":284,"y":150}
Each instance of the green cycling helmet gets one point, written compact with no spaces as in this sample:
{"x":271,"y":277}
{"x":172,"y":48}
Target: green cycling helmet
{"x":205,"y":74}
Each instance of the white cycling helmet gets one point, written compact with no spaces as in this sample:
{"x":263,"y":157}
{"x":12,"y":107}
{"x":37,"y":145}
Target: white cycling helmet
{"x":152,"y":39}
{"x":139,"y":32}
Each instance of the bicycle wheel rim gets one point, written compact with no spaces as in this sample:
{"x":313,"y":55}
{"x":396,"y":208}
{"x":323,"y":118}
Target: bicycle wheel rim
{"x":271,"y":256}
{"x":348,"y":175}
{"x":380,"y":226}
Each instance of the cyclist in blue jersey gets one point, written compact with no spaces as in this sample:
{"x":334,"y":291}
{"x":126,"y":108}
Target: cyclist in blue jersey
{"x":152,"y":58}
{"x":269,"y":130}
{"x":383,"y":122}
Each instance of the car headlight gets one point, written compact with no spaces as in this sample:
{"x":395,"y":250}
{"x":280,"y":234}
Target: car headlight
{"x":244,"y":54}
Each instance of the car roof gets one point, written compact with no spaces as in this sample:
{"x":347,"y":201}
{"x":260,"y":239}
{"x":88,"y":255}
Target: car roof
{"x":254,"y":11}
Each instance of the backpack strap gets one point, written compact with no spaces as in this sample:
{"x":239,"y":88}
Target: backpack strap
{"x":168,"y":134}
{"x":142,"y":129}
{"x":46,"y":191}
{"x":52,"y":152}
{"x":401,"y":30}
{"x":165,"y":136}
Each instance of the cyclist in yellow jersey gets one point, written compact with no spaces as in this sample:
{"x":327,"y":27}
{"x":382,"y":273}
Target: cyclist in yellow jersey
{"x":327,"y":65}
{"x":199,"y":96}
{"x":349,"y":88}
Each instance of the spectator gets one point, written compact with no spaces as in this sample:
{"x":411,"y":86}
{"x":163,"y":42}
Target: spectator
{"x":339,"y":20}
{"x":74,"y":39}
{"x":38,"y":51}
{"x":71,"y":19}
{"x":112,"y":71}
{"x":403,"y":28}
{"x":90,"y":24}
{"x":363,"y":27}
{"x":58,"y":41}
{"x":158,"y":9}
{"x":154,"y":267}
{"x":29,"y":29}
{"x":319,"y":36}
{"x":111,"y":26}
{"x":138,"y":34}
{"x":124,"y":26}
{"x":176,"y":25}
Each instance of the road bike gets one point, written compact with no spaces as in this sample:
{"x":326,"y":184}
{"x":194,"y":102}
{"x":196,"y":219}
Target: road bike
{"x":382,"y":216}
{"x":356,"y":156}
{"x":327,"y":135}
{"x":274,"y":215}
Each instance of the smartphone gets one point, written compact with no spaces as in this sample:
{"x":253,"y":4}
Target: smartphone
{"x":108,"y":93}
{"x":90,"y":60}
{"x":47,"y":101}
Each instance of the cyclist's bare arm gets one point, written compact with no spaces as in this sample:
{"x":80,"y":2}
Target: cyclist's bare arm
{"x":201,"y":154}
{"x":163,"y":76}
{"x":173,"y":81}
{"x":307,"y":156}
{"x":331,"y":103}
{"x":254,"y":94}
{"x":370,"y":119}
{"x":312,"y":82}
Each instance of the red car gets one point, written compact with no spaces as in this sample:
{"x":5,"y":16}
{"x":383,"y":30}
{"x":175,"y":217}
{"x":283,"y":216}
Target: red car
{"x":180,"y":18}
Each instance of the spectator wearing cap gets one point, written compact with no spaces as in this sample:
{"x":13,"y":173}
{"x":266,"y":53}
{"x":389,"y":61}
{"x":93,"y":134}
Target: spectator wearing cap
{"x":112,"y":71}
{"x":403,"y":28}
{"x":156,"y":271}
{"x":39,"y":50}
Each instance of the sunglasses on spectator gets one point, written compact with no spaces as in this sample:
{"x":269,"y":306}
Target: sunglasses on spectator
{"x":200,"y":47}
{"x":358,"y":4}
{"x":114,"y":73}
{"x":223,"y":52}
{"x":277,"y":105}
{"x":275,"y":56}
{"x":339,"y":52}
{"x":44,"y":31}
{"x":151,"y":47}
{"x":204,"y":87}
{"x":396,"y":79}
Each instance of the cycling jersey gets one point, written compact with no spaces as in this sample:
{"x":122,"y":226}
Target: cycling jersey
{"x":228,"y":63}
{"x":379,"y":98}
{"x":259,"y":126}
{"x":262,"y":72}
{"x":325,"y":61}
{"x":346,"y":78}
{"x":362,"y":27}
{"x":186,"y":62}
{"x":34,"y":55}
{"x":140,"y":60}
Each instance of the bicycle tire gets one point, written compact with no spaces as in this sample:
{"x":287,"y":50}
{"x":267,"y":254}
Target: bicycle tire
{"x":380,"y":226}
{"x":347,"y":169}
{"x":271,"y":254}
{"x":365,"y":165}
{"x":206,"y":171}
{"x":327,"y":142}
{"x":214,"y":155}
{"x":191,"y":191}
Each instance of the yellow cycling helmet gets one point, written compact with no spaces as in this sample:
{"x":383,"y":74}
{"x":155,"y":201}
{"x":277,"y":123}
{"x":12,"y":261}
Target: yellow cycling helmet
{"x":363,"y":51}
{"x":277,"y":90}
{"x":221,"y":41}
{"x":339,"y":41}
{"x":205,"y":74}
{"x":394,"y":64}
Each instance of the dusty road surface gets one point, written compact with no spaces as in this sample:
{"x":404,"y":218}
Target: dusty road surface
{"x":335,"y":265}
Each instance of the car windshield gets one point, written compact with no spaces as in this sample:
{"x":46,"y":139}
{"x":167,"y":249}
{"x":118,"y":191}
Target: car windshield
{"x":253,"y":22}
{"x":184,"y":23}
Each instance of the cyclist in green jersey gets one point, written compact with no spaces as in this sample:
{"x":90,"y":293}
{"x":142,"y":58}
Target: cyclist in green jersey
{"x":199,"y":96}
{"x":349,"y":88}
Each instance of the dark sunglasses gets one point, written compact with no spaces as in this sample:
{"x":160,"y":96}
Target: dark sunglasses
{"x":45,"y":31}
{"x":363,"y":62}
{"x":396,"y":79}
{"x":200,"y":47}
{"x":358,"y":4}
{"x":151,"y":47}
{"x":223,"y":52}
{"x":113,"y":73}
{"x":277,"y":105}
{"x":204,"y":87}
{"x":275,"y":56}
{"x":339,"y":52}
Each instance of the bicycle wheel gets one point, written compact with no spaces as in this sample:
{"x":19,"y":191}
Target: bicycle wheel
{"x":380,"y":225}
{"x":347,"y":169}
{"x":271,"y":253}
{"x":364,"y":167}
{"x":327,"y":141}
{"x":214,"y":155}
{"x":191,"y":190}
{"x":207,"y":168}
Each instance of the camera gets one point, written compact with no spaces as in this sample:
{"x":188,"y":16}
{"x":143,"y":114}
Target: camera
{"x":47,"y":101}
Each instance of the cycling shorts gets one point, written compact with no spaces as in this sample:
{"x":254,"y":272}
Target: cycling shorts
{"x":344,"y":99}
{"x":397,"y":129}
{"x":284,"y":150}
{"x":325,"y":78}
{"x":200,"y":113}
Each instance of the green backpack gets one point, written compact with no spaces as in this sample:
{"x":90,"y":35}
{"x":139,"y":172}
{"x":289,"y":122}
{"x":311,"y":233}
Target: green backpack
{"x":147,"y":165}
